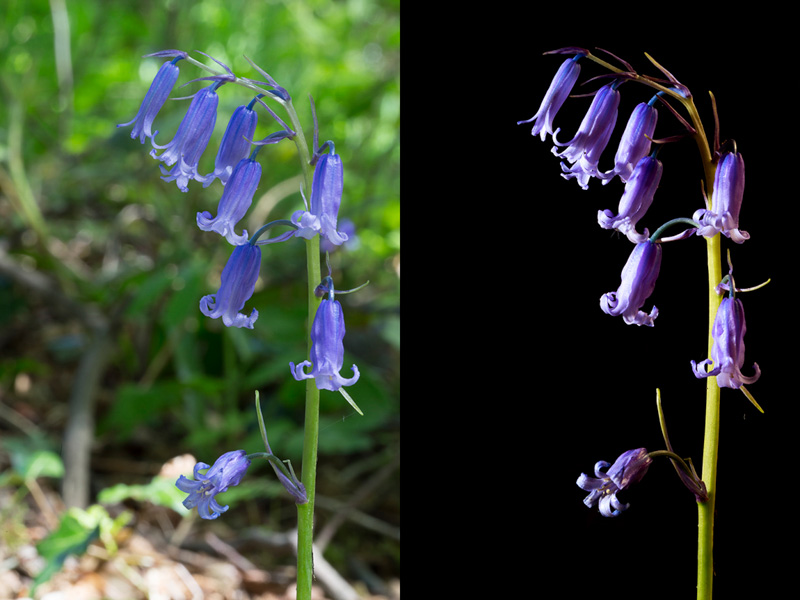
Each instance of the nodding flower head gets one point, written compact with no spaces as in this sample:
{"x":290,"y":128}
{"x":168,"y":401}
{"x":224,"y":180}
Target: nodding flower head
{"x":635,"y":142}
{"x":237,"y":196}
{"x":238,"y":284}
{"x":156,"y":96}
{"x":636,"y":199}
{"x":557,"y":93}
{"x":326,"y":196}
{"x":727,"y":351}
{"x":638,"y":282}
{"x":190,"y":141}
{"x":327,"y":349}
{"x":228,"y":470}
{"x":723,"y":215}
{"x":628,"y":469}
{"x":584,"y":150}
{"x":235,"y":144}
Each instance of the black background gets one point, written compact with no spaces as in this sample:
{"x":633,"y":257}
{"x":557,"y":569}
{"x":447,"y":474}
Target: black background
{"x":516,"y":378}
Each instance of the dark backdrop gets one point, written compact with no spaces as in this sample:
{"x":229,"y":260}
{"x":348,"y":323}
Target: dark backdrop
{"x":541,"y":383}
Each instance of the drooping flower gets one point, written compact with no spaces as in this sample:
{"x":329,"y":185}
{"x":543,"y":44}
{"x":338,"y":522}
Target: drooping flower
{"x":156,"y":96}
{"x":723,"y":215}
{"x":228,"y":470}
{"x":327,"y":349}
{"x":628,"y":469}
{"x":638,"y":282}
{"x":635,"y":142}
{"x":727,"y":350}
{"x":238,"y":284}
{"x":636,"y":199}
{"x":237,"y":196}
{"x":557,"y":93}
{"x":190,"y":141}
{"x":235,"y":144}
{"x":583,"y":151}
{"x":326,"y":195}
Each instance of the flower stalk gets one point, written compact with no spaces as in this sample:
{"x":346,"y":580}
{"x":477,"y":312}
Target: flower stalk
{"x":723,"y":171}
{"x":705,"y":510}
{"x":305,"y":512}
{"x":708,"y":473}
{"x":239,"y":175}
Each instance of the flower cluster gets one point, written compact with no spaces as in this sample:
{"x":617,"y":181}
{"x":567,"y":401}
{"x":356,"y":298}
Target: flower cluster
{"x":239,"y":172}
{"x":641,"y":172}
{"x":237,"y":169}
{"x":638,"y":167}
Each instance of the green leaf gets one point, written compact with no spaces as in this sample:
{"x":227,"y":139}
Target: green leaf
{"x":43,"y":463}
{"x":30,"y":460}
{"x":73,"y":536}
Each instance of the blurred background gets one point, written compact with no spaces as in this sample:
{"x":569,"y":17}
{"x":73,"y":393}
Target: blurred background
{"x":108,"y":370}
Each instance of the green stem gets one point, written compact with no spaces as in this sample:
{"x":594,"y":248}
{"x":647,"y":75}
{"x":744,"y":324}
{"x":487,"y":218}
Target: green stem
{"x":305,"y":512}
{"x":705,"y":510}
{"x":705,"y":542}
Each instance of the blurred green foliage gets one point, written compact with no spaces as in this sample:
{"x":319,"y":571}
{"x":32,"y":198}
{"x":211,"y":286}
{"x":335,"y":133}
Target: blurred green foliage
{"x":83,"y":207}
